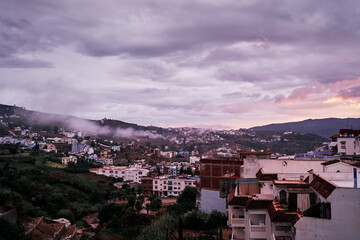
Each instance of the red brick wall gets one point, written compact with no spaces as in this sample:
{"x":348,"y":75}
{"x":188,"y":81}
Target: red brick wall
{"x":212,"y":169}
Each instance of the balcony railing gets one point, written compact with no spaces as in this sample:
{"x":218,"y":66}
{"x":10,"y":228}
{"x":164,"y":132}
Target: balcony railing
{"x":257,"y":228}
{"x":238,"y":222}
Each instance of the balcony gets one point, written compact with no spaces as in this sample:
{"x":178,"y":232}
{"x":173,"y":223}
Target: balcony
{"x":237,"y":222}
{"x":257,"y":230}
{"x":238,"y":236}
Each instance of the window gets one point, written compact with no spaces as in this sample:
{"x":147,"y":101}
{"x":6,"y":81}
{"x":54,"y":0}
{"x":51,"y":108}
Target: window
{"x":283,"y":228}
{"x":343,"y":144}
{"x":282,"y":194}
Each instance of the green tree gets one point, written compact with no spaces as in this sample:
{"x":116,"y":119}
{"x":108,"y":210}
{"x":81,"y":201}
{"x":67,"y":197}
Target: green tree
{"x":155,"y":203}
{"x":141,"y":198}
{"x":13,"y":149}
{"x":195,"y":219}
{"x":10,"y":231}
{"x":138,"y":205}
{"x":215,"y":219}
{"x":139,"y":190}
{"x":160,"y":228}
{"x":187,"y":199}
{"x":95,"y":196}
{"x":131,"y":200}
{"x":147,"y":207}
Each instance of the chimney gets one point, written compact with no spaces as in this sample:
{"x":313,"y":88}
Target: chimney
{"x":311,"y":175}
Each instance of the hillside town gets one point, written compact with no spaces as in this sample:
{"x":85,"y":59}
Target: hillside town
{"x":264,"y":195}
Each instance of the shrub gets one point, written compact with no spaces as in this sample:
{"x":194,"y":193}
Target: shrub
{"x":195,"y":220}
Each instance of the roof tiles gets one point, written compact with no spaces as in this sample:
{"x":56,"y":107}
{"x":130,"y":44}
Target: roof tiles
{"x":322,"y":186}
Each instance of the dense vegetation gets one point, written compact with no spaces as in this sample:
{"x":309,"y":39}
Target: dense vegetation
{"x":36,"y":185}
{"x":289,"y":143}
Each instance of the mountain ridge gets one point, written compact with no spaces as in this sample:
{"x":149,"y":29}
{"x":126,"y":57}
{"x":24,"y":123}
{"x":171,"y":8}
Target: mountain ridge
{"x":36,"y":118}
{"x":325,"y":127}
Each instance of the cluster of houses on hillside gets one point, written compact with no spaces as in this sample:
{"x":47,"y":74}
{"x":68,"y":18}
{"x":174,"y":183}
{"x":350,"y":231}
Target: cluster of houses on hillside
{"x":306,"y":196}
{"x":171,"y":183}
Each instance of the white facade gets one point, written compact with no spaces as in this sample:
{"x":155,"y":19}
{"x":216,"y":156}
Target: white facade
{"x":194,"y":159}
{"x":171,"y":186}
{"x":174,"y":170}
{"x":348,"y":145}
{"x":210,"y":200}
{"x":342,"y":174}
{"x":109,"y":161}
{"x":255,"y":223}
{"x":89,"y":150}
{"x":128,"y":174}
{"x":259,"y":224}
{"x":326,"y":209}
{"x":66,"y":160}
{"x":344,"y":222}
{"x":295,"y":167}
{"x":116,"y":148}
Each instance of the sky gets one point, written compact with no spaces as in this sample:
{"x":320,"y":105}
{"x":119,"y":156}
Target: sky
{"x":197,"y":63}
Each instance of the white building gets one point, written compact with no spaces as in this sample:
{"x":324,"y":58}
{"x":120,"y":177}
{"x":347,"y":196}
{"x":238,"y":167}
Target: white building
{"x":336,"y":214}
{"x":194,"y":159}
{"x":108,"y":161}
{"x":69,"y":134}
{"x":295,"y":167}
{"x":116,"y":148}
{"x":174,"y":170}
{"x":347,"y":142}
{"x":128,"y":174}
{"x":89,"y":150}
{"x":293,"y":205}
{"x":171,"y":186}
{"x":48,"y":147}
{"x":66,"y":160}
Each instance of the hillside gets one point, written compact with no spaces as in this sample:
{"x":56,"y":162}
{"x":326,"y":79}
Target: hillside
{"x":48,"y":121}
{"x":180,"y":139}
{"x":323,"y":127}
{"x":287,"y":143}
{"x":38,"y":185}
